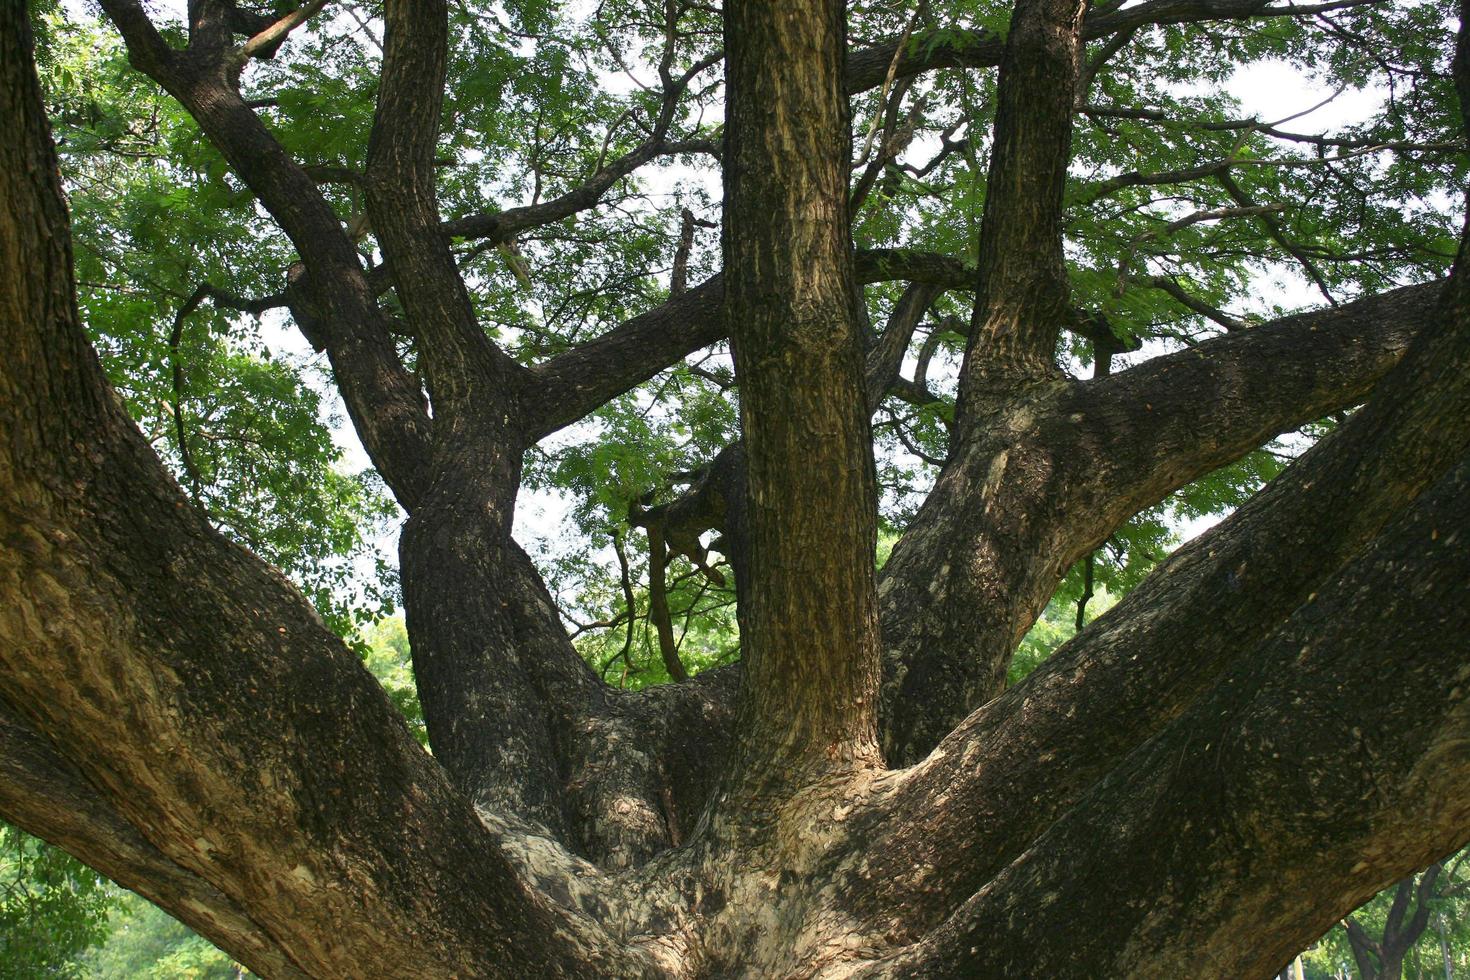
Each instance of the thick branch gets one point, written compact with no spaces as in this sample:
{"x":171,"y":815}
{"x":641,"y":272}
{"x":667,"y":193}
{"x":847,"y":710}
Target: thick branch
{"x":808,"y":616}
{"x":43,"y":794}
{"x":1170,"y":420}
{"x":265,"y":42}
{"x":983,"y":556}
{"x":1021,"y":302}
{"x":194,"y":688}
{"x":1410,"y":931}
{"x":383,"y":399}
{"x":658,"y":604}
{"x":572,"y":384}
{"x":1030,"y":754}
{"x":1334,"y":755}
{"x":885,"y":358}
{"x":466,"y":371}
{"x":1397,"y":909}
{"x":1366,"y":952}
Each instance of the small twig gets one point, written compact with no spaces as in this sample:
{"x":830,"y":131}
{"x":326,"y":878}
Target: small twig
{"x":1246,"y":210}
{"x":627,"y":581}
{"x":1188,"y":299}
{"x":658,"y":603}
{"x":1086,"y":592}
{"x":898,"y":51}
{"x":1276,"y":232}
{"x":267,"y":41}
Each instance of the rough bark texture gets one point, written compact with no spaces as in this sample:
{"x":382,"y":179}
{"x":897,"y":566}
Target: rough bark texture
{"x":133,"y":634}
{"x":1235,"y":749}
{"x":808,"y":616}
{"x":1052,"y":473}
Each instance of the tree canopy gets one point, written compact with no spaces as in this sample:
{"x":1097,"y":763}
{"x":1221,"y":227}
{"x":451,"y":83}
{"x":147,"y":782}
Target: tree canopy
{"x":852,"y":333}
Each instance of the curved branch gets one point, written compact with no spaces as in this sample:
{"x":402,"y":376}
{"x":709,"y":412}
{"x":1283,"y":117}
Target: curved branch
{"x":45,"y":795}
{"x":504,"y":225}
{"x":1032,"y":753}
{"x":982,"y":557}
{"x":1168,"y":284}
{"x":383,"y":399}
{"x":574,"y":383}
{"x":195,"y":689}
{"x":1364,"y":682}
{"x":953,"y":47}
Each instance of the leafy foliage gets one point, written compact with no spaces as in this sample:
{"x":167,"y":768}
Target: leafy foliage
{"x":145,"y":943}
{"x":52,"y":907}
{"x":1180,"y":202}
{"x":391,"y":661}
{"x":155,"y":215}
{"x":1181,"y":205}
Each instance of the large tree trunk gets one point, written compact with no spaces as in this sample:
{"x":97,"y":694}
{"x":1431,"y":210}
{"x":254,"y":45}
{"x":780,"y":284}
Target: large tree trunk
{"x":808,"y":616}
{"x":1282,"y":702}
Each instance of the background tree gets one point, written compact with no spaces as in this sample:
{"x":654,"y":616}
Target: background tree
{"x":52,"y":907}
{"x":860,"y":794}
{"x":144,"y":943}
{"x":1415,"y":928}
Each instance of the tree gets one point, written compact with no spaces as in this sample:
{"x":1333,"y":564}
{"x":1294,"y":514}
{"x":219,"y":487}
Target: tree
{"x":1420,"y":911}
{"x":51,"y":907}
{"x":145,"y":944}
{"x":1266,"y":731}
{"x":1385,"y":957}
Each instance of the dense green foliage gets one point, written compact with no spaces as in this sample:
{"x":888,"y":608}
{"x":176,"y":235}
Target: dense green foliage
{"x":541,"y":96}
{"x":154,"y":218}
{"x":389,"y":658}
{"x":144,"y":943}
{"x":52,"y":907}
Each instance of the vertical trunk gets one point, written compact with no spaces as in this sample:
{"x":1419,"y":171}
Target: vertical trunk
{"x":808,"y":617}
{"x":476,"y":614}
{"x":1021,"y":303}
{"x":980,"y":560}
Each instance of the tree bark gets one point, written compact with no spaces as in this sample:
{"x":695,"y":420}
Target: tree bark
{"x":253,"y":751}
{"x":173,"y":712}
{"x":808,"y":612}
{"x":1236,"y":807}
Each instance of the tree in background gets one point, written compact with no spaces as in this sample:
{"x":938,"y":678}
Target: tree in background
{"x":1281,"y":700}
{"x":1416,"y":928}
{"x":52,"y":907}
{"x":146,"y":944}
